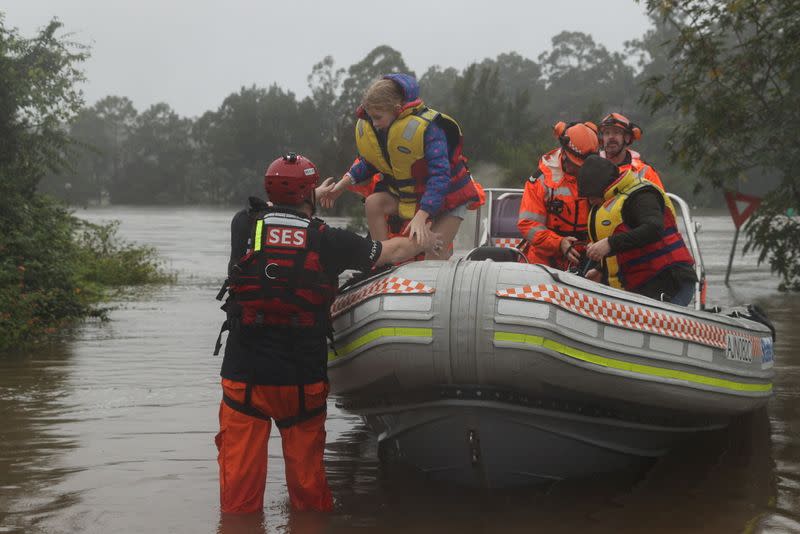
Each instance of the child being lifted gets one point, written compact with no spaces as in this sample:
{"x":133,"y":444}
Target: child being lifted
{"x":417,"y":154}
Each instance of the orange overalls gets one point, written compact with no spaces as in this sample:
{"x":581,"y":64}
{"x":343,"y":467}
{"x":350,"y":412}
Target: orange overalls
{"x":242,"y":445}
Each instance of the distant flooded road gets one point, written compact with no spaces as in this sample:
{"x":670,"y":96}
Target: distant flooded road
{"x":112,"y":430}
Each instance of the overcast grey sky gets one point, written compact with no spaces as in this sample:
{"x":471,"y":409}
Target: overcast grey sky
{"x":193,"y":53}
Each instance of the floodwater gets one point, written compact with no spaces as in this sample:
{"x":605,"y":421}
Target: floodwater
{"x":112,"y":429}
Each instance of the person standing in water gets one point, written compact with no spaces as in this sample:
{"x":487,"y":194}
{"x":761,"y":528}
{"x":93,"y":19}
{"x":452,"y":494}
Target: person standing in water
{"x":282,"y":277}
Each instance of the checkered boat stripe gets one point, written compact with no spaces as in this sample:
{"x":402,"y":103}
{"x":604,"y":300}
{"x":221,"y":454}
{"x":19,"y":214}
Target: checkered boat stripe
{"x":506,"y":242}
{"x":627,"y":316}
{"x":392,"y":285}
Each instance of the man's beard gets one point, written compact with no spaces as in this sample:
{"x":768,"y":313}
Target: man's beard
{"x":614,"y":151}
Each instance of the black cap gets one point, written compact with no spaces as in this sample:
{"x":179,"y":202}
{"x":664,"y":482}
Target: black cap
{"x":595,"y":175}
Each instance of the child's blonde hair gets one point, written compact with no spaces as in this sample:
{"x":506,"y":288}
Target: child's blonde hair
{"x":382,"y":95}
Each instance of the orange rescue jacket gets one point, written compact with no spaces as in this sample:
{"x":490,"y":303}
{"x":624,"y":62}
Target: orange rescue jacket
{"x":551,"y":210}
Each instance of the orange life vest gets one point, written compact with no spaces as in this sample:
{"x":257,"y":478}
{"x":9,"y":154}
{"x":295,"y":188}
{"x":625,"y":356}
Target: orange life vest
{"x":637,"y":165}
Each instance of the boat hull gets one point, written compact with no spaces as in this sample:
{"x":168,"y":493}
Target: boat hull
{"x":579,"y":378}
{"x":492,"y":444}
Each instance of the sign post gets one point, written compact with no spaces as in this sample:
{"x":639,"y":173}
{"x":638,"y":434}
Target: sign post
{"x":741,"y":207}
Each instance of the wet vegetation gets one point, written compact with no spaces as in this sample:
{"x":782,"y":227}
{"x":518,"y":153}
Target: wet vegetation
{"x":43,"y":290}
{"x":54,"y":268}
{"x":733,"y":78}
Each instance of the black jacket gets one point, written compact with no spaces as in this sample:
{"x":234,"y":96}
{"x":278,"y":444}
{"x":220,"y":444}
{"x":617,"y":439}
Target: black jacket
{"x":643,"y":212}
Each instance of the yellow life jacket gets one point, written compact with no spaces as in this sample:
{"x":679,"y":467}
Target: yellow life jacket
{"x":403,"y":162}
{"x":631,"y":269}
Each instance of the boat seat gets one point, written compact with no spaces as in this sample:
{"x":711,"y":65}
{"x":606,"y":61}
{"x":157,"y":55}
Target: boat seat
{"x":503,"y":231}
{"x":498,"y":254}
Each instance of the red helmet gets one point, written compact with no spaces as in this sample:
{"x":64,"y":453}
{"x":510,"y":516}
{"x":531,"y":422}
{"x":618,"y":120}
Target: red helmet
{"x":578,"y":140}
{"x":290,"y":180}
{"x":621,"y":121}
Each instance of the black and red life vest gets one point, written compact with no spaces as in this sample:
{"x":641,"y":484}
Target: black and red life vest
{"x":280,"y":281}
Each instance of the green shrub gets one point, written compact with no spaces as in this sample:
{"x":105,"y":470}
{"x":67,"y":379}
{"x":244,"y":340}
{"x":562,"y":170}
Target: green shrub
{"x":108,"y":261}
{"x":55,"y":269}
{"x":775,"y":235}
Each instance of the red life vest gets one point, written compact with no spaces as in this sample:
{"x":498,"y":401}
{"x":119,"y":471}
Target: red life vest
{"x":638,"y":266}
{"x":633,"y":268}
{"x":280,"y":281}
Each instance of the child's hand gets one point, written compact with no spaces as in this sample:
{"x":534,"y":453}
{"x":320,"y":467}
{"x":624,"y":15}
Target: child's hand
{"x":325,"y":187}
{"x":419,"y":228}
{"x":327,"y":192}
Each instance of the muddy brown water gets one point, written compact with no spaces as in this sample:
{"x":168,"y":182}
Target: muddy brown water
{"x":112,"y":429}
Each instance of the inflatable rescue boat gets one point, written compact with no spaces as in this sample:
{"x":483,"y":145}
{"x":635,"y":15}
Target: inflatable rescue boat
{"x":499,"y":373}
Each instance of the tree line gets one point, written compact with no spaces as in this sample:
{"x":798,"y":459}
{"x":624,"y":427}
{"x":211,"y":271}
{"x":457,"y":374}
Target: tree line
{"x":715,"y":85}
{"x":506,"y":107}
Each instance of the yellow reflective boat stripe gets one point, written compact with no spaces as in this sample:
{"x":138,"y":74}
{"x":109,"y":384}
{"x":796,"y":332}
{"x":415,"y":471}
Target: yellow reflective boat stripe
{"x":648,"y":370}
{"x":377,"y":334}
{"x":257,"y":239}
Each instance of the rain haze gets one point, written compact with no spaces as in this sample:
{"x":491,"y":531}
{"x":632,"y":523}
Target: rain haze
{"x":501,"y":384}
{"x":193,"y":54}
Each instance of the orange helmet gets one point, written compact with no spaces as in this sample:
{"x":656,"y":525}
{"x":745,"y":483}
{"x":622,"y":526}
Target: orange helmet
{"x":578,"y":140}
{"x":621,"y":121}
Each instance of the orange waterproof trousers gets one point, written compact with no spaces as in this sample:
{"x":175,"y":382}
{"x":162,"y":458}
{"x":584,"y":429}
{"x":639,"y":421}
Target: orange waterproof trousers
{"x":242,"y":446}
